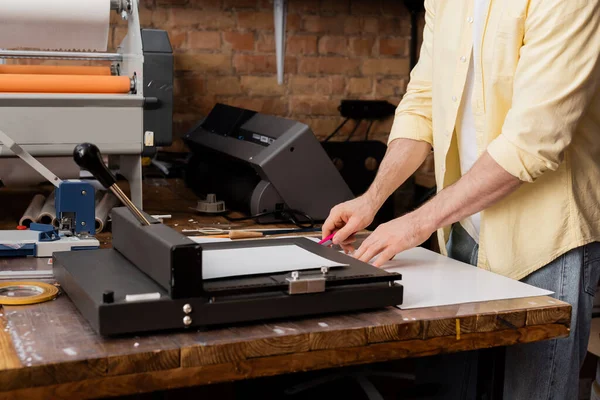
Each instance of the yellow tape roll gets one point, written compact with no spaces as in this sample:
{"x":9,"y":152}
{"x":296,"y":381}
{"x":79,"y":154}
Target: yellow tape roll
{"x":22,"y":293}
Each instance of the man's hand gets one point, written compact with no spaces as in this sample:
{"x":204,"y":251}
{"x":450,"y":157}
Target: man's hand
{"x":482,"y":187}
{"x":401,"y":160}
{"x":394,"y":237}
{"x":348,"y":218}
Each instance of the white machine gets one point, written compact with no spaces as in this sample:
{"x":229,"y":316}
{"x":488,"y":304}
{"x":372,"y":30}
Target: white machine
{"x":120,"y":101}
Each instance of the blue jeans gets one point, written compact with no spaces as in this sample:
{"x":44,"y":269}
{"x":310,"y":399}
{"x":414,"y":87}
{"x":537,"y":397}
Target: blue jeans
{"x":541,"y":370}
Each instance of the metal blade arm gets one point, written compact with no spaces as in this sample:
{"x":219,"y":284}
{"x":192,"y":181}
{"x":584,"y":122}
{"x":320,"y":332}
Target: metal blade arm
{"x":25,"y":156}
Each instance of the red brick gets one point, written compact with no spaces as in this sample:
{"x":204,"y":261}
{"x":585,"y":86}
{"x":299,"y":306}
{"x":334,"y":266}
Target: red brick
{"x":390,"y":87}
{"x":178,"y":38}
{"x":314,"y":105}
{"x":220,"y":63}
{"x":352,"y":25}
{"x":338,"y":84}
{"x":204,"y":40}
{"x":203,"y":105}
{"x":145,"y":17}
{"x":171,"y":2}
{"x":394,"y":8}
{"x":267,"y":105}
{"x":321,"y":126}
{"x":293,"y":22}
{"x":312,"y":85}
{"x":147,"y":3}
{"x":257,"y":64}
{"x":266,"y":43}
{"x":329,"y":65}
{"x":265,"y":4}
{"x":362,"y":46}
{"x":204,"y":19}
{"x":335,"y":6}
{"x":261,"y":86}
{"x":207,"y":4}
{"x":118,"y":34}
{"x":388,"y":66}
{"x":303,"y":6}
{"x":393,"y":46}
{"x":240,"y":4}
{"x":189,"y":86}
{"x":362,"y":7}
{"x":160,"y":17}
{"x":308,"y":85}
{"x":256,"y":20}
{"x":333,"y":45}
{"x":224,"y":85}
{"x":301,"y":45}
{"x":360,"y":86}
{"x":396,"y":26}
{"x":239,"y":41}
{"x":318,"y":24}
{"x":370,"y":25}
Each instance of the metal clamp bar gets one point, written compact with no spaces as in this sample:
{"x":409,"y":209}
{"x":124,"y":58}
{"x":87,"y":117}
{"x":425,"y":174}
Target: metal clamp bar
{"x":299,"y":285}
{"x":58,"y":55}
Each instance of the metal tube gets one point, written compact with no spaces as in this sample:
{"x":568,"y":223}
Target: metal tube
{"x":125,"y":200}
{"x":103,"y":208}
{"x":47,"y":214}
{"x":58,"y":55}
{"x":33,"y":210}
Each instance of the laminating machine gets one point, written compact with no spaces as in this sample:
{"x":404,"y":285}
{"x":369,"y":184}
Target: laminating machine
{"x":155,"y":278}
{"x":121,"y":101}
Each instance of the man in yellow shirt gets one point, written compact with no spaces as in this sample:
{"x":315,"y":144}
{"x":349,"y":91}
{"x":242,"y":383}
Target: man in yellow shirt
{"x":507,"y":94}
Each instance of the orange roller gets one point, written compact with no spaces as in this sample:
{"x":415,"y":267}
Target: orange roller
{"x":54,"y":70}
{"x":25,"y":83}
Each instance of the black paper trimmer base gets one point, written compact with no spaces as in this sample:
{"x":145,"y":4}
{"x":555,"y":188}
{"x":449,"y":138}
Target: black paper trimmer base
{"x":152,"y":281}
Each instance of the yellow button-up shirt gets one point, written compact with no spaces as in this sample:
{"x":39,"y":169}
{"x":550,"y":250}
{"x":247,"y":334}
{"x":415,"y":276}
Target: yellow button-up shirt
{"x":536,"y":104}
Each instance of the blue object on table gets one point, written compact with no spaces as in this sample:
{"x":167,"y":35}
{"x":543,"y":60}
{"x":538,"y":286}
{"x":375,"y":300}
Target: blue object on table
{"x":75,"y":201}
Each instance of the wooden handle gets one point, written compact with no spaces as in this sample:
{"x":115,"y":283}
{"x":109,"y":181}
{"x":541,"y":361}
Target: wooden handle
{"x":244,"y":234}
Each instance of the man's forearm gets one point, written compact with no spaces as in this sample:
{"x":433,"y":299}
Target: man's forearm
{"x":484,"y":185}
{"x":401,"y":160}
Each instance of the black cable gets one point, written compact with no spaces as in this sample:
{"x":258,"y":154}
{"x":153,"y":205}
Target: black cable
{"x":340,"y":126}
{"x":283,"y":215}
{"x":368,"y":130}
{"x":354,"y":130}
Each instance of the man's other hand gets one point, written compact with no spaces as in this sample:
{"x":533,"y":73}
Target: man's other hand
{"x":392,"y":238}
{"x":347,"y":219}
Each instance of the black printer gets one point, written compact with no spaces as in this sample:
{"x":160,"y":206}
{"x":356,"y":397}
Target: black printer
{"x":260,"y":164}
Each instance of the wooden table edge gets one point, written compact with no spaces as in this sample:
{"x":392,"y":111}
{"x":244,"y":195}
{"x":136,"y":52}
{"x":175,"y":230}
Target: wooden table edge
{"x":259,"y":367}
{"x":552,"y":321}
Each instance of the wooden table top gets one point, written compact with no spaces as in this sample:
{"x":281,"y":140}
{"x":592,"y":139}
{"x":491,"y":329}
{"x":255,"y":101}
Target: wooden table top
{"x":49,"y":351}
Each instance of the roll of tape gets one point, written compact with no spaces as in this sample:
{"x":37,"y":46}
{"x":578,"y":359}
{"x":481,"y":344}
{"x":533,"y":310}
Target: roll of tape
{"x":24,"y":292}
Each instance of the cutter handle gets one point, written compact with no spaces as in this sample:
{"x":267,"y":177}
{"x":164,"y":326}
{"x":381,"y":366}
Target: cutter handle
{"x":88,"y":157}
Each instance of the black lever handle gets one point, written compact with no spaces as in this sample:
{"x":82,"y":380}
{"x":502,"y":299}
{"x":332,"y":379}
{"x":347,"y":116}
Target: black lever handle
{"x":88,"y":157}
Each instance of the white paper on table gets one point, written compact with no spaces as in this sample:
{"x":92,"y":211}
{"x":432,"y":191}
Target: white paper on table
{"x":431,"y":280}
{"x":224,"y":263}
{"x":55,"y":25}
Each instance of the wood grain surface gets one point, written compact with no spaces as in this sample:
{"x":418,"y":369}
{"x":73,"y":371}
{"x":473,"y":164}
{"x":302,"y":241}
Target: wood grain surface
{"x":56,"y":354}
{"x":49,"y":350}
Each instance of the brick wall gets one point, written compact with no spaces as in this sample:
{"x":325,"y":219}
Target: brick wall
{"x":335,"y":49}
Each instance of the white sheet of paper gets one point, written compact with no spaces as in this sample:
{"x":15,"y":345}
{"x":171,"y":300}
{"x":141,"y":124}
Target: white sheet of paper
{"x":55,"y":25}
{"x":259,"y":260}
{"x":431,"y":280}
